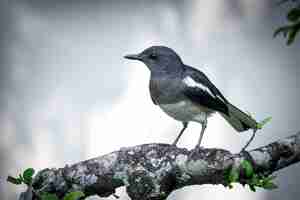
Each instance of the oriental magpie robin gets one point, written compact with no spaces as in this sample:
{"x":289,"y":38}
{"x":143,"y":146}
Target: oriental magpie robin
{"x":186,"y":94}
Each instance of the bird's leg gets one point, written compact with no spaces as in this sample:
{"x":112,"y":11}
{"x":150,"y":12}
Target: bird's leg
{"x":250,"y":140}
{"x":185,"y":124}
{"x":204,"y":125}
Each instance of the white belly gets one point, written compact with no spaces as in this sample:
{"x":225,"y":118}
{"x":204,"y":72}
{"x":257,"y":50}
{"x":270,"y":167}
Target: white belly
{"x":186,"y":111}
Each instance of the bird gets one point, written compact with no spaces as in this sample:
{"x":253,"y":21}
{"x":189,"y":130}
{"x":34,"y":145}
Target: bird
{"x":186,"y":93}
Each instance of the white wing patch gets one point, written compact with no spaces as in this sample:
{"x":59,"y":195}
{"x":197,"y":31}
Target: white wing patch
{"x":190,"y":82}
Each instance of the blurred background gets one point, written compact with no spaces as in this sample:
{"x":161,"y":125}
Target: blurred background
{"x":68,"y":95}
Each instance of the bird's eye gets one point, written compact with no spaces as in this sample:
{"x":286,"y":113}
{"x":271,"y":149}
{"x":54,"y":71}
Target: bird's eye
{"x":153,"y":56}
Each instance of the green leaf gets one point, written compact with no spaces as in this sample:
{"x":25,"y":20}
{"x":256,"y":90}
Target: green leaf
{"x":293,"y":15}
{"x":13,"y":180}
{"x":48,"y":196}
{"x":263,"y":122}
{"x":270,"y":178}
{"x":74,"y":195}
{"x":255,"y":179}
{"x":284,"y":30}
{"x":233,"y":175}
{"x":252,"y":188}
{"x":269,"y":186}
{"x":21,"y":177}
{"x":247,"y":168}
{"x":27,"y":175}
{"x":292,"y":34}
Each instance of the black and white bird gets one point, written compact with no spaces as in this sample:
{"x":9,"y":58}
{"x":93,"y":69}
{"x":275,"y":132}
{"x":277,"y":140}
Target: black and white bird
{"x":186,"y":94}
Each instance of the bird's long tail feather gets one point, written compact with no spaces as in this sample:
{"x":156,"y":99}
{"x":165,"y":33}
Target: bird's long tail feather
{"x":238,"y":119}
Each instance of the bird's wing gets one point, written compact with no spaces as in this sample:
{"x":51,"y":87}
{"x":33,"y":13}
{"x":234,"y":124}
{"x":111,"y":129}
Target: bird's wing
{"x":199,"y":89}
{"x":200,"y":77}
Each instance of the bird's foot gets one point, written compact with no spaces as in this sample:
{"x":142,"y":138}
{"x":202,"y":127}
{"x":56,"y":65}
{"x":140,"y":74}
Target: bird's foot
{"x":197,"y":148}
{"x":195,"y":152}
{"x":243,"y":150}
{"x":249,"y":141}
{"x":242,"y":153}
{"x":174,"y":144}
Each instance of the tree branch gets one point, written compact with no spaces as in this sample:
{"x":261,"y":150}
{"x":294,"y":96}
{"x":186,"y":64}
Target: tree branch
{"x":153,"y":171}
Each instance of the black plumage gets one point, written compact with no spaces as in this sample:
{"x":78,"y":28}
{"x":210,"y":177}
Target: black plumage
{"x":216,"y":101}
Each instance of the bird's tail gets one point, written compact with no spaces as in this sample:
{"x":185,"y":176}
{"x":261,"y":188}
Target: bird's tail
{"x":239,"y":120}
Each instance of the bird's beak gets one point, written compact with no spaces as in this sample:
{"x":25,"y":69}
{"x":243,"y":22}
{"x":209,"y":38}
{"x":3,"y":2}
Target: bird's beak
{"x":133,"y":57}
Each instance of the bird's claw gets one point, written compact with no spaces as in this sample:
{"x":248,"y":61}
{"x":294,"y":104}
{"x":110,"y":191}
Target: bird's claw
{"x":197,"y":148}
{"x":243,"y":150}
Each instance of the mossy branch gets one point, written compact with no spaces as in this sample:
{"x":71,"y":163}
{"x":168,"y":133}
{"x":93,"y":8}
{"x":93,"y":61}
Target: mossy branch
{"x":153,"y":171}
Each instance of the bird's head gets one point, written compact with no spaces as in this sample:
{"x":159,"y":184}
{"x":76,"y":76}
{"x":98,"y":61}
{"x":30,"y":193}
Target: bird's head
{"x":159,"y":59}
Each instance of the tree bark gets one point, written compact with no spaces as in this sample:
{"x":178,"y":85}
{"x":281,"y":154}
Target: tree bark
{"x":153,"y":171}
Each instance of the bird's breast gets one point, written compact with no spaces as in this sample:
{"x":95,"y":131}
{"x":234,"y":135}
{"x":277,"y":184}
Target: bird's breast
{"x":166,"y":90}
{"x":186,"y":111}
